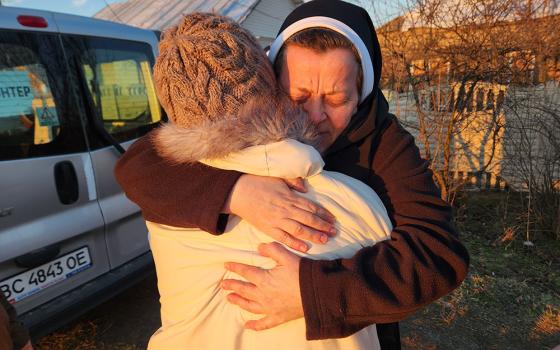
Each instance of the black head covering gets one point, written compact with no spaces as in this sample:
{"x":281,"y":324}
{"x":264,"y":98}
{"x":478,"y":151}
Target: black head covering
{"x":363,"y":122}
{"x":353,"y":16}
{"x":353,"y":150}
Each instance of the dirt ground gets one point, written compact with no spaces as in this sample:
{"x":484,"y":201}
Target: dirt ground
{"x":510,"y":299}
{"x":124,"y":322}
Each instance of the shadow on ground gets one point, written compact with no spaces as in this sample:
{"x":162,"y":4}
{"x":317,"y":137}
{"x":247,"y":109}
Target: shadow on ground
{"x":124,"y":322}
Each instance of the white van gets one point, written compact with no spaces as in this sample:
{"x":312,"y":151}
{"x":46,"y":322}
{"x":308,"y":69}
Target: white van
{"x":74,"y":91}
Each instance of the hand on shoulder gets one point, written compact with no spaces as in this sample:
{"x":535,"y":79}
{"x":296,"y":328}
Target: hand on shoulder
{"x":271,"y":206}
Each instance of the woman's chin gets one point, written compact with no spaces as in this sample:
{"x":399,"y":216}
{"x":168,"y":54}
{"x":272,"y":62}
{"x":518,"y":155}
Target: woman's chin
{"x":325,"y":142}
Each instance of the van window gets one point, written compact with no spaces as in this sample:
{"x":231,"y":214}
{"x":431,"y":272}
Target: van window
{"x":34,"y":118}
{"x":118,"y":76}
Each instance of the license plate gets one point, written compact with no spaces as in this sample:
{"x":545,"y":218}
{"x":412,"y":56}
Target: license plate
{"x":23,"y":285}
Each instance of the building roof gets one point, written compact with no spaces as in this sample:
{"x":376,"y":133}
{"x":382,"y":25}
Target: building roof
{"x":160,"y":14}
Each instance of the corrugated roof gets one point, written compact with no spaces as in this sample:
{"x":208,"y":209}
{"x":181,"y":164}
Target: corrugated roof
{"x":160,"y":14}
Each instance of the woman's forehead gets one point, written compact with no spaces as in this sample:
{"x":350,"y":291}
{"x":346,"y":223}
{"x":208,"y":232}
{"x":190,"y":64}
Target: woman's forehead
{"x":330,"y":68}
{"x":352,"y":22}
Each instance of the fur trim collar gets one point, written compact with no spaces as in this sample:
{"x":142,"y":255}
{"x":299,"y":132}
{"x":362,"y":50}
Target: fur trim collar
{"x":259,"y":122}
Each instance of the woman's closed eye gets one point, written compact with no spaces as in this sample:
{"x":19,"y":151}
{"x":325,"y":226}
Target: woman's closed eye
{"x":337,"y":101}
{"x":299,"y":99}
{"x":334,"y":101}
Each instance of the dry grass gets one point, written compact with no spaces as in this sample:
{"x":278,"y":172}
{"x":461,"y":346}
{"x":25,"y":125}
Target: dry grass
{"x":81,"y":336}
{"x":119,"y":323}
{"x":548,"y":322}
{"x":417,"y":342}
{"x":511,"y":297}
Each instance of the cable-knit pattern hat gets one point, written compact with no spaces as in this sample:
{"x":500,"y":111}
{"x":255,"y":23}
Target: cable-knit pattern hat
{"x":208,"y":67}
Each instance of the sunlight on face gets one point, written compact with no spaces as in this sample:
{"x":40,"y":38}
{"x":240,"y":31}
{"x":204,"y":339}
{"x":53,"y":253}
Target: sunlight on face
{"x":324,"y":84}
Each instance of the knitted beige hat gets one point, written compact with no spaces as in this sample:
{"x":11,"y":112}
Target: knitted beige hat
{"x":208,"y":68}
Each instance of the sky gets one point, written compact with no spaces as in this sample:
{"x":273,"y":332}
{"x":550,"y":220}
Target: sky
{"x":77,"y":7}
{"x":380,"y":13}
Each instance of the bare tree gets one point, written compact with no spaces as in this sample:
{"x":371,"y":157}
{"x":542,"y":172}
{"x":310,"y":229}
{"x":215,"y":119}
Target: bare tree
{"x":448,"y":65}
{"x":533,"y":153}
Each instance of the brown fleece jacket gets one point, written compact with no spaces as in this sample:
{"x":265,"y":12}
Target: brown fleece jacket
{"x":176,"y":195}
{"x":381,"y":284}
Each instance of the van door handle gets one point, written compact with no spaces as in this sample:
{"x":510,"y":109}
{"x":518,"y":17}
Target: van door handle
{"x":38,"y":257}
{"x":66,"y":182}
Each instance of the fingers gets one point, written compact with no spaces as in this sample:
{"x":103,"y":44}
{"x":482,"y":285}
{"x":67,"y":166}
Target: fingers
{"x":310,"y":224}
{"x":315,"y":209}
{"x":284,"y":216}
{"x":274,"y":251}
{"x":250,"y":273}
{"x":245,"y":304}
{"x":323,"y":216}
{"x":289,"y":240}
{"x":313,"y":220}
{"x":296,"y":184}
{"x":304,"y":232}
{"x":244,"y":289}
{"x":262,"y":324}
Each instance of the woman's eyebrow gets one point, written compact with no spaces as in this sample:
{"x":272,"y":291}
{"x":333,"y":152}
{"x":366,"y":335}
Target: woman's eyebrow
{"x":302,"y":89}
{"x":336,"y":92}
{"x":329,"y":93}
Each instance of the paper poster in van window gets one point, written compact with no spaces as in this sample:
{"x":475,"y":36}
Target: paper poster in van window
{"x":16,"y":94}
{"x":122,"y":90}
{"x":45,"y":112}
{"x":47,"y":116}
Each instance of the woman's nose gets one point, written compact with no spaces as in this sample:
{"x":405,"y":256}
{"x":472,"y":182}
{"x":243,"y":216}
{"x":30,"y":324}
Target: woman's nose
{"x":315,"y":109}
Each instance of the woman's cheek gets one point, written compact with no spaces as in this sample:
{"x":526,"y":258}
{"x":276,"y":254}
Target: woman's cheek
{"x":345,"y":117}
